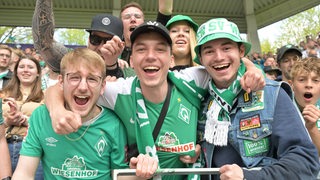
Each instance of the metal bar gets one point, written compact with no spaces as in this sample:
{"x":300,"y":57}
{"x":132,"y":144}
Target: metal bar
{"x":170,"y":171}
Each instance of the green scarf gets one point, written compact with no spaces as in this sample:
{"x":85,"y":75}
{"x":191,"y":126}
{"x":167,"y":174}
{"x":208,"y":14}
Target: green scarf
{"x":4,"y":74}
{"x":143,"y":129}
{"x":218,"y":119}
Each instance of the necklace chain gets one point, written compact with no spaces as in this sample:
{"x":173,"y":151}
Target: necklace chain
{"x":78,"y":138}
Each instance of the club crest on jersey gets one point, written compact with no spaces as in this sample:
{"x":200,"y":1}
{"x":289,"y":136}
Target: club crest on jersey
{"x":101,"y":145}
{"x":184,"y":114}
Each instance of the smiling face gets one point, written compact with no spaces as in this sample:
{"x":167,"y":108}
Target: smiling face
{"x":151,"y":58}
{"x":82,"y":82}
{"x":27,"y":72}
{"x":221,"y":58}
{"x":180,"y":35}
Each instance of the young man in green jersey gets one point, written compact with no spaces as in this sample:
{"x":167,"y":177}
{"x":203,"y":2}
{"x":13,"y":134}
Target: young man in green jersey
{"x":96,"y":148}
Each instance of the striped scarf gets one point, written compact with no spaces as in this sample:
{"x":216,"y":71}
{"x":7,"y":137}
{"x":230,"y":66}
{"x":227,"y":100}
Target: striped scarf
{"x":218,"y":119}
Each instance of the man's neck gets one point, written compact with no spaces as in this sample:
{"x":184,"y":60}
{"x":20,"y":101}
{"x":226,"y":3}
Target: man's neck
{"x":92,"y":114}
{"x":155,"y":94}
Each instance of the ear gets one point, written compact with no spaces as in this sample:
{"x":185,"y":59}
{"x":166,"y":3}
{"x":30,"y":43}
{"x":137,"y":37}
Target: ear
{"x":60,"y":80}
{"x":172,"y":63}
{"x":290,"y":82}
{"x":242,"y":50}
{"x":131,"y":62}
{"x":103,"y":85}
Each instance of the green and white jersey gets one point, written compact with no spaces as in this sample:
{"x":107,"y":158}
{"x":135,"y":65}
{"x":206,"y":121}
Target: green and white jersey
{"x":177,"y":135}
{"x":90,"y":153}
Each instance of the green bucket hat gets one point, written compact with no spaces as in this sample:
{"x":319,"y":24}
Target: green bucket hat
{"x":179,"y":17}
{"x":216,"y":29}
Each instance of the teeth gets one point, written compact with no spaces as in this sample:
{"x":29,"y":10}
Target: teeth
{"x":81,"y":97}
{"x":221,"y":66}
{"x":180,"y":42}
{"x":151,"y":68}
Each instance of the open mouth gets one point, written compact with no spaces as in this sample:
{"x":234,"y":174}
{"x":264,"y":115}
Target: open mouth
{"x":221,"y":67}
{"x":308,"y":95}
{"x":180,"y":42}
{"x":132,"y":28}
{"x":81,"y":100}
{"x":151,"y":69}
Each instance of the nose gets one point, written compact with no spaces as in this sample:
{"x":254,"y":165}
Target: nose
{"x":219,"y":55}
{"x":83,"y":84}
{"x":309,"y":83}
{"x":151,"y":54}
{"x":181,"y":33}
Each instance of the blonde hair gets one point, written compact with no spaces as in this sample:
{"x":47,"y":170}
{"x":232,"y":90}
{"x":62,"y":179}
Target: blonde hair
{"x":3,"y":46}
{"x":193,"y":43}
{"x":305,"y":66}
{"x":83,"y":57}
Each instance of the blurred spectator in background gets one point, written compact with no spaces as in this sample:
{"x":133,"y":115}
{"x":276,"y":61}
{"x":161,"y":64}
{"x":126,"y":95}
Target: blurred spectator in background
{"x":16,"y":54}
{"x":270,"y":61}
{"x":5,"y":58}
{"x":286,"y":56}
{"x":310,"y":46}
{"x":256,"y":59}
{"x":272,"y":72}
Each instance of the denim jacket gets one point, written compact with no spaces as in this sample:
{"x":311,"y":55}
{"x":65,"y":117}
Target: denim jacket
{"x":251,"y":129}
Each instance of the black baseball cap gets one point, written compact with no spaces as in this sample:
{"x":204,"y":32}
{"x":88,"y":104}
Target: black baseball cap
{"x":107,"y":23}
{"x":267,"y":69}
{"x":151,"y":26}
{"x":285,"y":49}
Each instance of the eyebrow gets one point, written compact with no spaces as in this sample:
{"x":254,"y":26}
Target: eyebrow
{"x":227,"y":42}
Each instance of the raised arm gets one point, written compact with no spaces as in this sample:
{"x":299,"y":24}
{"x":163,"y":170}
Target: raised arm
{"x":165,"y":11}
{"x":63,"y":121}
{"x":43,"y":31}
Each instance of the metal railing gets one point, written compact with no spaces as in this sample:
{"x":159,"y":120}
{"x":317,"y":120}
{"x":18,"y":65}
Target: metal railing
{"x":170,"y":171}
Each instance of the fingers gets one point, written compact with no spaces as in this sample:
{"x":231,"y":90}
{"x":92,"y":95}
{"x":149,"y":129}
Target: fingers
{"x":112,"y":49}
{"x":231,"y":172}
{"x":253,"y":81}
{"x":111,"y":78}
{"x":67,"y":123}
{"x":146,"y":166}
{"x":311,"y":113}
{"x":188,"y":159}
{"x":123,"y":64}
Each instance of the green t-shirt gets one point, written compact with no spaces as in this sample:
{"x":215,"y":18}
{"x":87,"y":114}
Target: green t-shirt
{"x":177,"y":135}
{"x":90,"y":153}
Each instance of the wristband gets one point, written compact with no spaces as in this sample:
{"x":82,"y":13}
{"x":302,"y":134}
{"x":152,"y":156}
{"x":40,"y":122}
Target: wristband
{"x":7,"y":178}
{"x":116,"y":63}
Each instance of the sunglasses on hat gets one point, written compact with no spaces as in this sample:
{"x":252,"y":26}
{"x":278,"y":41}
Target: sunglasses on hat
{"x":96,"y":40}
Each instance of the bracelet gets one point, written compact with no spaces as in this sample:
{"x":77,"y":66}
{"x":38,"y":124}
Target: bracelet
{"x":116,"y":63}
{"x":7,"y":178}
